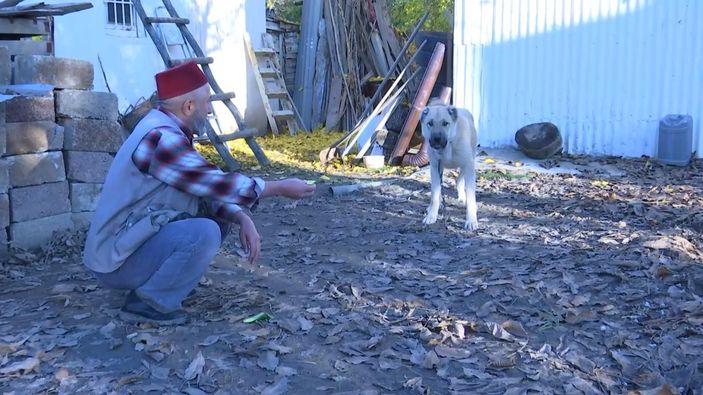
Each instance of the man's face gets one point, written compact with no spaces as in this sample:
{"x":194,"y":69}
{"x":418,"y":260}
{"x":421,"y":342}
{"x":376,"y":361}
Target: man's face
{"x":198,"y":121}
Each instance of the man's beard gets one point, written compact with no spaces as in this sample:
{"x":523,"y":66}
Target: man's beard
{"x":199,"y":124}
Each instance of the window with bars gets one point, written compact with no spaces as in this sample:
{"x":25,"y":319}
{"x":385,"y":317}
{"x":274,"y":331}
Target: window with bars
{"x":120,"y":14}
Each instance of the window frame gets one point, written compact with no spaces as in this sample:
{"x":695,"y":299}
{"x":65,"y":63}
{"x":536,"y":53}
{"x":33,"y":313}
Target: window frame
{"x":120,"y":24}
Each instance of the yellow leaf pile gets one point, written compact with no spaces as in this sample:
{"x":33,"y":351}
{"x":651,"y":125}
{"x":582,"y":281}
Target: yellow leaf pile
{"x":299,"y":153}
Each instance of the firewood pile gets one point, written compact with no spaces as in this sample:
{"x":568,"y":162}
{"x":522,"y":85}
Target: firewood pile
{"x":355,"y":50}
{"x":354,"y":73}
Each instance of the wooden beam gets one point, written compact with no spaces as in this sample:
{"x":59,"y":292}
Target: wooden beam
{"x":166,"y":19}
{"x":45,"y":9}
{"x":24,"y":26}
{"x":203,"y":60}
{"x":27,"y":47}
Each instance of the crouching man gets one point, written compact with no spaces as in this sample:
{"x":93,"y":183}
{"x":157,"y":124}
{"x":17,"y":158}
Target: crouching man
{"x":164,"y":210}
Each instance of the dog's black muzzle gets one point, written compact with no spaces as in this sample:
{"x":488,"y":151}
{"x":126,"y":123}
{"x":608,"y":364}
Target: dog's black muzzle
{"x":438,"y":141}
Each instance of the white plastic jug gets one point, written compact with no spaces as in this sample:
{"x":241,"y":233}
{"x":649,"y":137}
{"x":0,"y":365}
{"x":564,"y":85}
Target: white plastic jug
{"x":675,"y":139}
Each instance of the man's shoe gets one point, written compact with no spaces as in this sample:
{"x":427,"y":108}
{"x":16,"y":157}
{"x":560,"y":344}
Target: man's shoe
{"x":136,"y":311}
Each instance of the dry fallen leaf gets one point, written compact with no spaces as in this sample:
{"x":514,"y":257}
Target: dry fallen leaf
{"x":286,"y":371}
{"x":388,"y":364}
{"x":159,"y":372}
{"x":574,"y":316}
{"x":500,"y":333}
{"x":664,"y":389}
{"x":577,"y":359}
{"x":268,"y":360}
{"x":195,"y":368}
{"x":108,"y":329}
{"x":663,"y":273}
{"x":502,"y":361}
{"x":64,"y":288}
{"x":194,"y":391}
{"x":6,"y":348}
{"x":514,"y":328}
{"x":21,"y":367}
{"x":357,"y":360}
{"x":127,"y":380}
{"x":356,"y":291}
{"x":430,"y":360}
{"x":305,"y":324}
{"x":277,"y":388}
{"x":452,"y":352}
{"x":210,"y":340}
{"x":341,"y":366}
{"x":413,"y":384}
{"x":281,"y":349}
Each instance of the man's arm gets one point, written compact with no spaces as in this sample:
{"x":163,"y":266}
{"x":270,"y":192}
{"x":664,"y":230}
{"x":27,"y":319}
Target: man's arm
{"x":168,"y":156}
{"x":292,"y":188}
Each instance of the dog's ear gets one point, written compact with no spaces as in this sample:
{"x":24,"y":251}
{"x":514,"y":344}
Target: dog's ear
{"x":452,"y":112}
{"x":424,"y":113}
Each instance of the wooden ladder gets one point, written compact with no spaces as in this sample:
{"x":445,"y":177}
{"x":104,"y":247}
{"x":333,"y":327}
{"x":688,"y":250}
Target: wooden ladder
{"x":272,"y":86}
{"x":218,"y":141}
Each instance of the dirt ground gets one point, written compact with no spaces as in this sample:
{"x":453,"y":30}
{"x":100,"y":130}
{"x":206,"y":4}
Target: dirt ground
{"x":573,"y":284}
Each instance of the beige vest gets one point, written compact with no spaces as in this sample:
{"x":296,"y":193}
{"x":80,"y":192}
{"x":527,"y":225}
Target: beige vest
{"x":133,"y":206}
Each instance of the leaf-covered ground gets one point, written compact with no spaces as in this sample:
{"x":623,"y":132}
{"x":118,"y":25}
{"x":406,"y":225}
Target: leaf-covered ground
{"x":573,"y":284}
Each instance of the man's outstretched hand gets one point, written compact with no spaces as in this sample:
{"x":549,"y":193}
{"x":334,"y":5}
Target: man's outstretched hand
{"x":292,"y":188}
{"x":295,"y":188}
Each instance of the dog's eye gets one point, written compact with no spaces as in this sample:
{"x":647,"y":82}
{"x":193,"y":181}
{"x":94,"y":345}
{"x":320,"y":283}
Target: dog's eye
{"x":445,"y":123}
{"x":430,"y":123}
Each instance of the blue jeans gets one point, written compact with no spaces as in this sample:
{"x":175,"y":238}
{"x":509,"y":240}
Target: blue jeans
{"x":164,"y":270}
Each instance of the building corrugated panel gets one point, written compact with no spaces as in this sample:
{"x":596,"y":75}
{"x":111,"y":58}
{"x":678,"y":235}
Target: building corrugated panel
{"x":603,"y":71}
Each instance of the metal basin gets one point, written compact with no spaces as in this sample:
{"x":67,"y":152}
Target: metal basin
{"x":539,"y":140}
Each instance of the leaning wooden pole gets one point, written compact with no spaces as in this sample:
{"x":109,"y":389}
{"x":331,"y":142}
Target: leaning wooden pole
{"x":423,"y":94}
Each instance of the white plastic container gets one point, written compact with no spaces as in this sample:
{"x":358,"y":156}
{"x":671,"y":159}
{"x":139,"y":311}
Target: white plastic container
{"x":675,"y":139}
{"x":373,"y":161}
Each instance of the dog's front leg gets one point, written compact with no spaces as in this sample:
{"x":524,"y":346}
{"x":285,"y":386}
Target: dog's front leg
{"x":436,"y":180}
{"x":461,"y":186}
{"x":470,"y":193}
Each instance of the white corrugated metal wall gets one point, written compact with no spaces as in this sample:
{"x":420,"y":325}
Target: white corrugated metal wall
{"x":603,"y":71}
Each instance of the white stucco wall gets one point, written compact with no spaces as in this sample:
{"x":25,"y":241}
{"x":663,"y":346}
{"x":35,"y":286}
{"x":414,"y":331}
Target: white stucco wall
{"x":130,"y":59}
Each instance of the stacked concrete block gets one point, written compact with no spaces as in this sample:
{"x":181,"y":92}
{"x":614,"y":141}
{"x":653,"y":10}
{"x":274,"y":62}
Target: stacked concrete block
{"x":4,"y":210}
{"x":77,"y":104}
{"x":5,"y":72}
{"x":55,"y":149}
{"x":4,"y":186}
{"x":92,"y":136}
{"x":38,"y":191}
{"x":61,"y":73}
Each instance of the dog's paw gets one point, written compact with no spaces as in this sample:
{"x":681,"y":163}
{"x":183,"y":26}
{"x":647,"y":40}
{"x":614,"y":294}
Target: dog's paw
{"x":471,"y":225}
{"x":430,"y":219}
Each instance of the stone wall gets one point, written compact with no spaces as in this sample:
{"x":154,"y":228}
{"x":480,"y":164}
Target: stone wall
{"x":55,"y":149}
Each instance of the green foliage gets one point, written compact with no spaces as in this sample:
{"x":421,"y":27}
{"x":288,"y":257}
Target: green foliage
{"x":286,"y":9}
{"x":406,"y":13}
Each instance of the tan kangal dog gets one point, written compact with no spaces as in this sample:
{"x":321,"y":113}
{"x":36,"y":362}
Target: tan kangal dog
{"x":452,"y":136}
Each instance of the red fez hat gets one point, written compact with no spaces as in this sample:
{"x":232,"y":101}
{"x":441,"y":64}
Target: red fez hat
{"x":179,"y":80}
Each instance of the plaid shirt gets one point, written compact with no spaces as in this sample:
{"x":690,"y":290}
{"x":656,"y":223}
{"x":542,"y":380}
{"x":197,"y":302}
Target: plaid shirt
{"x":168,"y":155}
